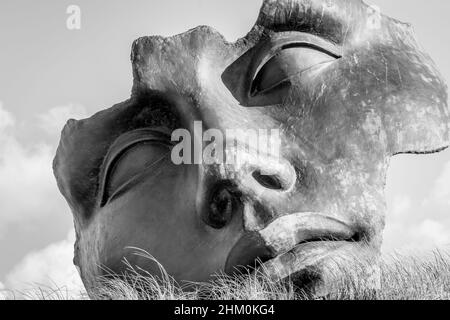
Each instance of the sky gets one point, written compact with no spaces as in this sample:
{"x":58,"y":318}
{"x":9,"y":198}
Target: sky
{"x":49,"y":74}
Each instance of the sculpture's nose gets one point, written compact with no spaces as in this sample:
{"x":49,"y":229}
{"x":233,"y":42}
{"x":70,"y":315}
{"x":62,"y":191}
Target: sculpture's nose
{"x":267,"y":177}
{"x":266,"y":186}
{"x":249,"y":190}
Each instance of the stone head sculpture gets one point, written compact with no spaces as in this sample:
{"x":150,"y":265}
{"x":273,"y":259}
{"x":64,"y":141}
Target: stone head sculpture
{"x":347,"y":88}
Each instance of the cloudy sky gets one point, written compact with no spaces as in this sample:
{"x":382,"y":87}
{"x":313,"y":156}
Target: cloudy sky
{"x":49,"y":74}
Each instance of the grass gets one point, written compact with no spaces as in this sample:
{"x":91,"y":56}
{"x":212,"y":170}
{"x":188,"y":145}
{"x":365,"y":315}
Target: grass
{"x":398,"y":277}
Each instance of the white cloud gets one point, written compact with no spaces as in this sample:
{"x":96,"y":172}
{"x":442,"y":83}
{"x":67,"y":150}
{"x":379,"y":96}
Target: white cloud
{"x":401,"y":206}
{"x":418,"y":193}
{"x":29,"y":195}
{"x":421,"y":221}
{"x":50,"y":267}
{"x":54,"y":120}
{"x":425,"y":235}
{"x":441,"y":190}
{"x":2,"y":292}
{"x":6,"y":119}
{"x":435,"y":231}
{"x":26,"y":173}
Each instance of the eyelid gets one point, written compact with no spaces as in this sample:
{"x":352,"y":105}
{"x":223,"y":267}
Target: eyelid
{"x":287,"y":40}
{"x":295,"y":39}
{"x":124,"y":143}
{"x":255,"y":93}
{"x":136,"y":179}
{"x":292,"y":44}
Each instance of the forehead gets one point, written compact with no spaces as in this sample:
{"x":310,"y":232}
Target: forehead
{"x":341,"y":22}
{"x":331,"y":19}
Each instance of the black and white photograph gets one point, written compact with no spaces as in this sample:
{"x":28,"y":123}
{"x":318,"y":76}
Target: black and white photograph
{"x":212,"y":150}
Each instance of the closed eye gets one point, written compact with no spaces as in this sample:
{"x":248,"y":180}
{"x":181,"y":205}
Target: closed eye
{"x":127,"y":163}
{"x":264,"y":74}
{"x":275,"y":73}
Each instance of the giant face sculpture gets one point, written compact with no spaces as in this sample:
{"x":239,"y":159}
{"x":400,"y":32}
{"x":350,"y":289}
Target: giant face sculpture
{"x":347,"y":87}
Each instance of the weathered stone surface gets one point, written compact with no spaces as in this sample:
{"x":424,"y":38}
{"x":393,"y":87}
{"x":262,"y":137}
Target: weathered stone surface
{"x":347,"y":86}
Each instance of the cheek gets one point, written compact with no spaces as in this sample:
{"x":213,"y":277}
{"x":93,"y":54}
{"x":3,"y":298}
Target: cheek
{"x":160,"y":217}
{"x":155,"y":216}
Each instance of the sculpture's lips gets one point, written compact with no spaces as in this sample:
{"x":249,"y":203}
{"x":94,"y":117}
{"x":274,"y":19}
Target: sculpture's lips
{"x":308,"y":255}
{"x":290,"y":242}
{"x":287,"y":232}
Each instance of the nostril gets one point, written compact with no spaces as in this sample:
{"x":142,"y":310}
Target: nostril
{"x":268,"y":181}
{"x":221,"y":208}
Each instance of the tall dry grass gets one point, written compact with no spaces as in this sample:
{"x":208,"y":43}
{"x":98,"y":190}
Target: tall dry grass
{"x":400,"y":277}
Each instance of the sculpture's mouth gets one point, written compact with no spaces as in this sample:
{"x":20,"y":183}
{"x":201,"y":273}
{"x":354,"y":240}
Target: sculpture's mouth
{"x":292,"y":244}
{"x":306,"y":256}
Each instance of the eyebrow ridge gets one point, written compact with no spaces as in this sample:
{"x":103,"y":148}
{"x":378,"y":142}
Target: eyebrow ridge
{"x":314,"y":17}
